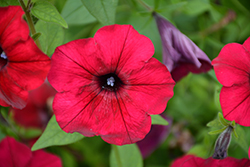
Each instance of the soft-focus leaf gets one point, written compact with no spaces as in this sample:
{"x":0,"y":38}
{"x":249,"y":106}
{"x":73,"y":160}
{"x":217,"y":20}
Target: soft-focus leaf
{"x":2,"y":135}
{"x":9,"y":2}
{"x":30,"y":133}
{"x":46,"y":11}
{"x":102,"y":10}
{"x":157,"y":119}
{"x":222,"y":120}
{"x":74,"y":12}
{"x":52,"y":36}
{"x":214,"y":132}
{"x":54,"y":135}
{"x":196,"y":7}
{"x":126,"y":155}
{"x":242,"y":140}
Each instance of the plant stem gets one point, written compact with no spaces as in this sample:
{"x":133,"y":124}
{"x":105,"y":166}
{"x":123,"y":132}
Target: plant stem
{"x":145,"y":5}
{"x":29,"y":20}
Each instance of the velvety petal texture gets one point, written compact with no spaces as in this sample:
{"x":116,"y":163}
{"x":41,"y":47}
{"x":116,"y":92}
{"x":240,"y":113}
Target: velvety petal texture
{"x":109,"y":85}
{"x":23,"y":66}
{"x":193,"y":161}
{"x":179,"y":53}
{"x":38,"y":111}
{"x":13,"y":154}
{"x":232,"y":68}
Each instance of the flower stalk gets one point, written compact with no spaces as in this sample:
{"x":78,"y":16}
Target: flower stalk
{"x":26,"y":9}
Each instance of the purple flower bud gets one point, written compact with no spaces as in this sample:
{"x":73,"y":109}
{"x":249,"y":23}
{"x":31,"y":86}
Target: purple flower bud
{"x":180,"y":54}
{"x":154,"y":138}
{"x":222,"y":144}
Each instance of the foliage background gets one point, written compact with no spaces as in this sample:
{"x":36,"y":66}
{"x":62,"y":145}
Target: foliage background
{"x":209,"y":23}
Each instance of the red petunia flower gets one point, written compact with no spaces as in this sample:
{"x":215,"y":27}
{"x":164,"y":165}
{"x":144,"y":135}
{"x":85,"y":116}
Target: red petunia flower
{"x":13,"y":153}
{"x":109,"y":85}
{"x":23,"y":66}
{"x":193,"y":161}
{"x":37,"y":111}
{"x":232,"y":68}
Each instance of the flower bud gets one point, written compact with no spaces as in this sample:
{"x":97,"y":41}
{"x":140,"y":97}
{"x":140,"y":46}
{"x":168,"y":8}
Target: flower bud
{"x":222,"y":143}
{"x":179,"y":53}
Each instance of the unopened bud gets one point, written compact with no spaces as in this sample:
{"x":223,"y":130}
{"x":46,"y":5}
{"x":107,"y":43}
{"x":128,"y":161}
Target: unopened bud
{"x":222,"y":143}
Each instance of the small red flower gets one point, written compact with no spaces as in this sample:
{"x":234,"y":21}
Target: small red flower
{"x":109,"y":85}
{"x":23,"y":66}
{"x":13,"y":153}
{"x":232,"y":68}
{"x":193,"y":161}
{"x":37,"y":112}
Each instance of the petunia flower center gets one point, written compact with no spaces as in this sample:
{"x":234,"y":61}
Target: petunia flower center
{"x":110,"y":82}
{"x":3,"y":59}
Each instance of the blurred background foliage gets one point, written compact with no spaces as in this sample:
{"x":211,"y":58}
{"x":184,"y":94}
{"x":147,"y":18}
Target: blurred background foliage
{"x":210,"y":24}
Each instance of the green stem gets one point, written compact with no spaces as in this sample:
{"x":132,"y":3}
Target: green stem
{"x":145,"y":5}
{"x":117,"y":156}
{"x":29,"y":20}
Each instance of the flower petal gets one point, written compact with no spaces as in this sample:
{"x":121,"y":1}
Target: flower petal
{"x":13,"y":153}
{"x":12,"y":28}
{"x":105,"y":114}
{"x":27,"y":66}
{"x":81,"y":60}
{"x":235,"y":102}
{"x":123,"y":47}
{"x":232,"y":65}
{"x":43,"y":159}
{"x":149,"y":88}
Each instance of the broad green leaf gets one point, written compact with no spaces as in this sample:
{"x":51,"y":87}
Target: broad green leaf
{"x":157,"y":119}
{"x":126,"y":155}
{"x":196,"y":7}
{"x":47,"y":12}
{"x":52,"y":36}
{"x":242,"y":140}
{"x":102,"y":10}
{"x":9,"y":2}
{"x":2,"y":135}
{"x":30,"y":133}
{"x":54,"y":135}
{"x":74,"y":12}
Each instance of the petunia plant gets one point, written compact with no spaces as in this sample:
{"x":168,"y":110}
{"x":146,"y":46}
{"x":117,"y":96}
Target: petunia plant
{"x":124,"y":83}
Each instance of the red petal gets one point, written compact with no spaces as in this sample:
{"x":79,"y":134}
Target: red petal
{"x":11,"y":93}
{"x":81,"y":60}
{"x":12,"y":28}
{"x":188,"y":161}
{"x":235,"y":102}
{"x":13,"y":153}
{"x":43,"y":159}
{"x":232,"y":65}
{"x":27,"y":65}
{"x":150,"y":87}
{"x":123,"y":48}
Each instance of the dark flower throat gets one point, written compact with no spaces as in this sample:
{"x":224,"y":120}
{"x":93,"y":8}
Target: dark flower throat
{"x":3,"y":59}
{"x":110,"y":82}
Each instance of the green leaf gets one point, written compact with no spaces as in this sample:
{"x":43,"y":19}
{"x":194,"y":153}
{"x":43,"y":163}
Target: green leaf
{"x":74,"y":12}
{"x":30,"y":133}
{"x":159,"y":120}
{"x":47,"y":12}
{"x":126,"y":155}
{"x":102,"y":10}
{"x":9,"y":2}
{"x":242,"y":140}
{"x":52,"y":36}
{"x":214,"y":132}
{"x":54,"y":135}
{"x":196,"y":7}
{"x":222,"y":120}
